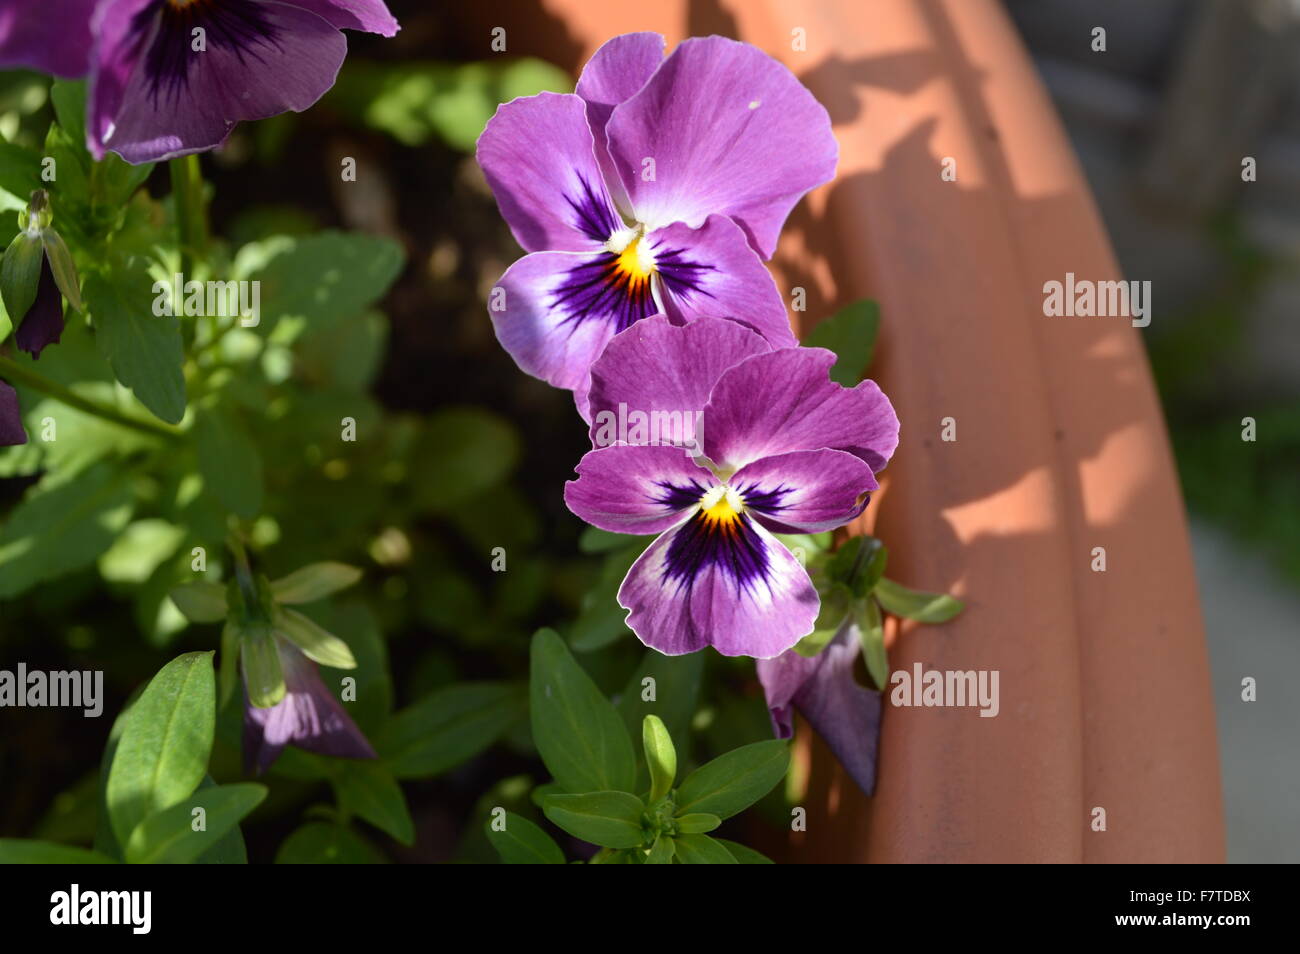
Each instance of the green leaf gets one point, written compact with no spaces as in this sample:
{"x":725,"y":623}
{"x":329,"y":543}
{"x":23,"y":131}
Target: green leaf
{"x":697,"y":823}
{"x":744,"y":855}
{"x":143,"y":349}
{"x":610,"y":819}
{"x":259,"y":661}
{"x":661,"y":852}
{"x":324,"y":843}
{"x":316,"y":643}
{"x":20,"y":851}
{"x":162,"y":755}
{"x":228,"y":849}
{"x":520,"y":842}
{"x":20,"y":170}
{"x":228,"y":460}
{"x":660,"y":757}
{"x":734,"y":781}
{"x":65,"y":273}
{"x":851,"y":334}
{"x":835,"y":608}
{"x":914,"y":604}
{"x":858,"y":564}
{"x":702,"y":850}
{"x":449,"y":727}
{"x":62,"y":526}
{"x":168,"y":836}
{"x":200,"y":602}
{"x":673,"y":685}
{"x":872,"y":633}
{"x":137,"y":553}
{"x":314,"y":582}
{"x":577,"y":731}
{"x":369,"y":790}
{"x":20,"y":275}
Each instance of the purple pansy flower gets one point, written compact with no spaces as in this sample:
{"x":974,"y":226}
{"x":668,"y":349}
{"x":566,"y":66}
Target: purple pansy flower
{"x":11,"y":417}
{"x":170,"y":77}
{"x":784,"y":450}
{"x":52,"y":36}
{"x":309,"y":716}
{"x":654,"y":189}
{"x":824,"y":690}
{"x":43,"y":323}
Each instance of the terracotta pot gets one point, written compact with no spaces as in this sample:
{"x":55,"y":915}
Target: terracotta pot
{"x":1060,"y":447}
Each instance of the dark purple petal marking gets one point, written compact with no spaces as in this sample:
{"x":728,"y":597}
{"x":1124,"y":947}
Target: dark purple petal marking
{"x":677,"y":497}
{"x":236,"y":25}
{"x":593,"y":216}
{"x":766,"y":500}
{"x":682,"y":278}
{"x":728,"y":543}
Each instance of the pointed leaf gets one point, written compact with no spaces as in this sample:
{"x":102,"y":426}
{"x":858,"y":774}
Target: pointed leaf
{"x":734,"y":781}
{"x":316,"y":643}
{"x":660,"y":757}
{"x":521,"y":842}
{"x":168,"y":836}
{"x":610,"y":819}
{"x":915,"y":604}
{"x":702,"y":850}
{"x":314,"y":582}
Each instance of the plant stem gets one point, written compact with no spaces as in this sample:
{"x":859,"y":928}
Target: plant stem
{"x":191,"y":211}
{"x":12,"y":371}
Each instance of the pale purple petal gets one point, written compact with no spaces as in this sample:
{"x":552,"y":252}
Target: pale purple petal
{"x":261,"y":59}
{"x":11,"y":417}
{"x":52,"y":36}
{"x":731,"y":131}
{"x":554,"y":312}
{"x":665,"y":371}
{"x":310,"y":716}
{"x":730,"y":585}
{"x":615,"y":71}
{"x":805,"y":491}
{"x":713,"y":271}
{"x":628,"y":489}
{"x":538,"y":156}
{"x":369,"y":16}
{"x":43,"y":323}
{"x":785,"y":401}
{"x":845,"y":714}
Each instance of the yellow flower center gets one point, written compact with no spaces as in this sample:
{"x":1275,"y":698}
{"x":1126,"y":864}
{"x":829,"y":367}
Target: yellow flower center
{"x":722,"y":505}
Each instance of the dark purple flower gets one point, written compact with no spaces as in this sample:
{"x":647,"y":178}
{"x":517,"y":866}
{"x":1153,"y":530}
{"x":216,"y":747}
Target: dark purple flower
{"x":654,"y":189}
{"x":784,"y":449}
{"x":50,"y":35}
{"x":170,"y":77}
{"x":43,"y":323}
{"x":11,"y":417}
{"x":309,"y":716}
{"x":824,"y":690}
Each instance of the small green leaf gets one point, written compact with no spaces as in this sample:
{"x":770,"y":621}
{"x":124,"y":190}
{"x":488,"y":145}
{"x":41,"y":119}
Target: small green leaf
{"x":65,"y":273}
{"x":611,"y":819}
{"x":316,"y":643}
{"x":20,"y":275}
{"x":144,"y":349}
{"x":20,"y":851}
{"x":448,"y":727}
{"x":520,"y":842}
{"x":851,"y":334}
{"x":697,"y":823}
{"x":162,"y":755}
{"x":661,"y":852}
{"x":835,"y":608}
{"x":660,"y":757}
{"x":324,"y":843}
{"x":915,"y":604}
{"x":858,"y":564}
{"x":734,"y":781}
{"x":314,"y":582}
{"x":872,"y":633}
{"x":200,"y":602}
{"x":744,"y":855}
{"x":577,"y":731}
{"x":368,"y":789}
{"x":702,"y":850}
{"x":169,"y":836}
{"x":259,"y":661}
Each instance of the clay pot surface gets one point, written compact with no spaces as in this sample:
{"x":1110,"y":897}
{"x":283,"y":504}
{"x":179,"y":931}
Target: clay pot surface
{"x":1060,"y":445}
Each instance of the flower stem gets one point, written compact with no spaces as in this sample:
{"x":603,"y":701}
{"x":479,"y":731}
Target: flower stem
{"x":191,"y":211}
{"x":12,"y":371}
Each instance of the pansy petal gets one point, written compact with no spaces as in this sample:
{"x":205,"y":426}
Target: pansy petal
{"x":555,"y":312}
{"x":665,"y":371}
{"x":823,"y":688}
{"x":538,"y":156}
{"x":55,"y":38}
{"x":730,"y":131}
{"x":785,"y":401}
{"x":11,"y":417}
{"x":616,"y":71}
{"x":713,"y":271}
{"x":260,"y":59}
{"x":369,"y":16}
{"x":728,"y":584}
{"x":630,"y":489}
{"x":43,"y":323}
{"x":805,"y":491}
